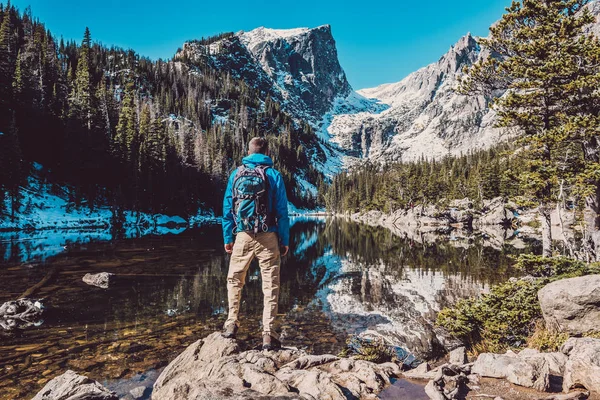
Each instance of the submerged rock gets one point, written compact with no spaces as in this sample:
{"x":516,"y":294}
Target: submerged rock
{"x":71,"y":386}
{"x":20,"y":314}
{"x":216,"y":368}
{"x":572,"y":305}
{"x":102,"y":280}
{"x":138,"y":392}
{"x":583,"y":366}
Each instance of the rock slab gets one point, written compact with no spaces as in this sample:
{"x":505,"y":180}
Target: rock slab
{"x":528,"y":371}
{"x":216,"y":368}
{"x":71,"y":386}
{"x":572,"y":305}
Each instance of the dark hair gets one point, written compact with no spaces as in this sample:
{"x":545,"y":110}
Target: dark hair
{"x":258,"y":145}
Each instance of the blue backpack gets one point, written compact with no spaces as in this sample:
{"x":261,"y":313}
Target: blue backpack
{"x":251,"y":199}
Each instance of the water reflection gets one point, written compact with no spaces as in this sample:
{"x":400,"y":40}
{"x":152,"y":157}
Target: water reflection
{"x":340,"y":279}
{"x":39,"y":245}
{"x":374,"y":283}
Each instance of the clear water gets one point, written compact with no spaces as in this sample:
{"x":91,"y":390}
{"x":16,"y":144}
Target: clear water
{"x":340,"y":279}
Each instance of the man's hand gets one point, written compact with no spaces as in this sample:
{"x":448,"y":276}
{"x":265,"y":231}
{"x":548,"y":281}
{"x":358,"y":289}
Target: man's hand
{"x":229,"y":248}
{"x":284,"y":250}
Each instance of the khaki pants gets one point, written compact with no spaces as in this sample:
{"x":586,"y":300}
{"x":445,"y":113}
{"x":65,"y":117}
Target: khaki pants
{"x":265,"y":247}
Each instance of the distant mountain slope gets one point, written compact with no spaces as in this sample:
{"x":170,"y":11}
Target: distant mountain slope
{"x":425,"y":116}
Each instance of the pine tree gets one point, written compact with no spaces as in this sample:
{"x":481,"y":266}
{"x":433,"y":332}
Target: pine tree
{"x":551,"y":71}
{"x":18,"y":84}
{"x":145,"y":132}
{"x":126,"y":133}
{"x":11,"y":164}
{"x":7,"y":62}
{"x":82,"y":88}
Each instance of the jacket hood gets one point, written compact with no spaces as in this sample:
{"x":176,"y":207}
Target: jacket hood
{"x":258,"y":159}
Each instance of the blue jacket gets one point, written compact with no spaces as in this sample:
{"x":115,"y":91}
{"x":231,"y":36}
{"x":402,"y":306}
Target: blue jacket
{"x":278,"y":202}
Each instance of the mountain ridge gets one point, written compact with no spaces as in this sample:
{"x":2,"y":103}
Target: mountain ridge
{"x":299,"y":67}
{"x":426,"y":116}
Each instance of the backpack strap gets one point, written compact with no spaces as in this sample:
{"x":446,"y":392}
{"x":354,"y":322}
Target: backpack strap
{"x":238,"y":173}
{"x":262,"y":169}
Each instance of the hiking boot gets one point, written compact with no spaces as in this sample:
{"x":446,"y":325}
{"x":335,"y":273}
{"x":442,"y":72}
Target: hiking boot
{"x":270,"y":343}
{"x":230,"y":331}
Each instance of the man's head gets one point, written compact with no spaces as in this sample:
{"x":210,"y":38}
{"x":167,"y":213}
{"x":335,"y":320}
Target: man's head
{"x":258,"y":145}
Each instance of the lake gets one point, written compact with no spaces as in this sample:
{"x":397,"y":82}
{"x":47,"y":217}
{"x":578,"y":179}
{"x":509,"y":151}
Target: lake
{"x":340,"y":279}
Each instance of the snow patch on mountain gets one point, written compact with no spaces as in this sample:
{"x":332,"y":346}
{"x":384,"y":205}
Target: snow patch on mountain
{"x":259,"y":36}
{"x":425,"y":114}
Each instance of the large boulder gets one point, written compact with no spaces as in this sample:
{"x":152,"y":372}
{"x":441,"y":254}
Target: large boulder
{"x":216,"y":368}
{"x":556,"y":360}
{"x":496,"y":212}
{"x":583,"y":366}
{"x":492,"y":365}
{"x":529,"y":370}
{"x":71,"y":386}
{"x":572,"y":305}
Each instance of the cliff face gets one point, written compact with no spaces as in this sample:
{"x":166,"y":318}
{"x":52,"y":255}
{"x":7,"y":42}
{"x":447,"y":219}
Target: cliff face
{"x":299,"y":68}
{"x":303,"y":64}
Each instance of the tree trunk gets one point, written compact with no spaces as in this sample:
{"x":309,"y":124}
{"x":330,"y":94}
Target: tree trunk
{"x":546,"y":231}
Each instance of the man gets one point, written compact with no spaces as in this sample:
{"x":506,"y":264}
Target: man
{"x":255,"y":212}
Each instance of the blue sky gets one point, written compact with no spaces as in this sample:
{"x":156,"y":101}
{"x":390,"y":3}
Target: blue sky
{"x":378,"y":41}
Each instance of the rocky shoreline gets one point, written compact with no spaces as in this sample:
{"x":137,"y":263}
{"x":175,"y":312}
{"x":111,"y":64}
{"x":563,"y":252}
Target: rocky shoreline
{"x":217,"y":368}
{"x":498,"y":222}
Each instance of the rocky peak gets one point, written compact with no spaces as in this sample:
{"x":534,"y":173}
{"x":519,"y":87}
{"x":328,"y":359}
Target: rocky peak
{"x":464,"y":53}
{"x":424,"y":83}
{"x":298,"y":67}
{"x":303,"y":64}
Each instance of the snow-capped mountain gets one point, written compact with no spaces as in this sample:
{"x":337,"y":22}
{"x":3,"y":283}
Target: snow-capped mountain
{"x":298,"y":67}
{"x":420,"y":115}
{"x":425,"y":115}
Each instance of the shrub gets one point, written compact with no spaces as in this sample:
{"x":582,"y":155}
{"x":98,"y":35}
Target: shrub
{"x":369,"y":350}
{"x":506,"y":317}
{"x":501,"y":318}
